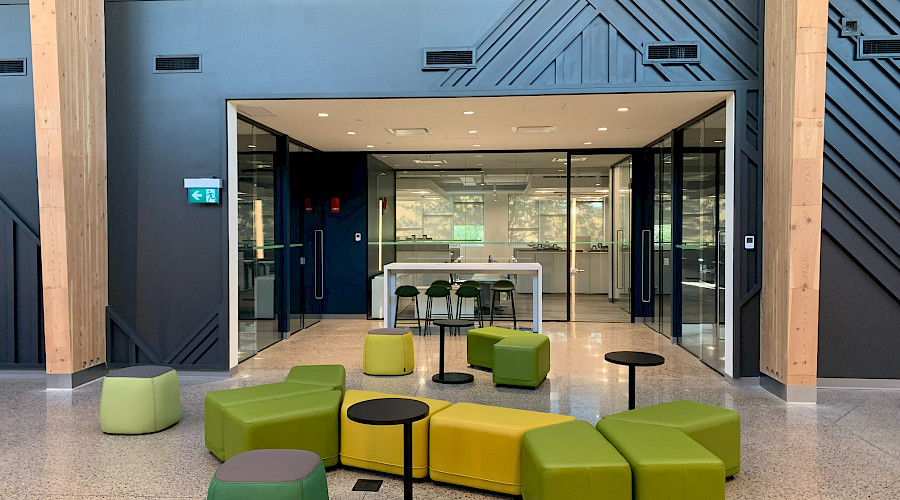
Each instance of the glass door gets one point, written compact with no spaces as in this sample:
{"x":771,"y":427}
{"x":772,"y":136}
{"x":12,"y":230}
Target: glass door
{"x":703,"y":239}
{"x":592,"y":241}
{"x":661,"y":257}
{"x":257,"y":298}
{"x":620,"y":288}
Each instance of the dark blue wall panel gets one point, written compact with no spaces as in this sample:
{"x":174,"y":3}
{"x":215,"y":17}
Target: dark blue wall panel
{"x":860,"y":284}
{"x":21,"y":328}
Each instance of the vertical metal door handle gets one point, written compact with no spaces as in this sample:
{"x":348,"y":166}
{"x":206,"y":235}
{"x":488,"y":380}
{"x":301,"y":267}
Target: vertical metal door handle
{"x":646,"y":243}
{"x":319,"y":265}
{"x":620,"y":233}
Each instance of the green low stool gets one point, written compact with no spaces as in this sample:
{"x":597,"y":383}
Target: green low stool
{"x":272,"y":475}
{"x":522,"y":360}
{"x":300,"y":422}
{"x":216,"y":402}
{"x":572,"y":461}
{"x":331,"y":376}
{"x":665,"y":462}
{"x":480,"y":344}
{"x":139,"y":400}
{"x":716,"y":429}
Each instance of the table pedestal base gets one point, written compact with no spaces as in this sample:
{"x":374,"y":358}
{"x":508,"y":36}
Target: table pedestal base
{"x":453,"y":378}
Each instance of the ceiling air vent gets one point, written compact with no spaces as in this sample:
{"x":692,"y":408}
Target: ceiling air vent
{"x":448,"y":57}
{"x":12,"y":67}
{"x":177,"y":64}
{"x":871,"y":47}
{"x":401,"y":132}
{"x":671,"y":52}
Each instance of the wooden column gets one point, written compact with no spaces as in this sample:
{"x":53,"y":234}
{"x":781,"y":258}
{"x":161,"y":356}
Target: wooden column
{"x":794,"y":114}
{"x":68,"y":54}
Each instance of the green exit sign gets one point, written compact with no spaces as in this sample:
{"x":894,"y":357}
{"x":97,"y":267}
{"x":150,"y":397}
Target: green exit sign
{"x":203,"y":195}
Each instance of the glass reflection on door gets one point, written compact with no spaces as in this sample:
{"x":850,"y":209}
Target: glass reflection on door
{"x":703,"y":239}
{"x":661,"y":266}
{"x":620,"y":289}
{"x":257,"y":319}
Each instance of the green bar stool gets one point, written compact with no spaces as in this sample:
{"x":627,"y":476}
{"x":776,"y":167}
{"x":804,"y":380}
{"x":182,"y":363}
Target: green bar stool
{"x":469,"y":292}
{"x":471,"y":283}
{"x":507,"y":287}
{"x":407,"y":291}
{"x":444,"y":283}
{"x":432,"y":292}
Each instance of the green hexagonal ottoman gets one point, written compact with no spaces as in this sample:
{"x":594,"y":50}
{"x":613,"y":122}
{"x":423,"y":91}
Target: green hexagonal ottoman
{"x":272,"y":475}
{"x":139,"y":400}
{"x":522,"y":360}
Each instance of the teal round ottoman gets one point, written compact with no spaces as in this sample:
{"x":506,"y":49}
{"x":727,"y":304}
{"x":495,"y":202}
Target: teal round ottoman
{"x":270,"y":474}
{"x":139,"y":400}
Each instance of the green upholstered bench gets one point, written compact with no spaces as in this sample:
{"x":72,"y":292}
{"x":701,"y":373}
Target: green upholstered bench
{"x":270,"y":474}
{"x":216,"y":402}
{"x":665,"y":462}
{"x":716,"y":429}
{"x":480,"y":344}
{"x":331,"y":376}
{"x":139,"y":400}
{"x":522,"y":360}
{"x":303,"y":421}
{"x":572,"y":461}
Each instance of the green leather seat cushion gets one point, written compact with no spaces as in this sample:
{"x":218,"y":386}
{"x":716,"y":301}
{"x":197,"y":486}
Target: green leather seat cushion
{"x":303,"y":422}
{"x":716,"y":429}
{"x":521,"y":360}
{"x":332,"y":376}
{"x":480,"y":344}
{"x":665,"y":462}
{"x":216,"y":402}
{"x":572,"y":461}
{"x":270,"y":474}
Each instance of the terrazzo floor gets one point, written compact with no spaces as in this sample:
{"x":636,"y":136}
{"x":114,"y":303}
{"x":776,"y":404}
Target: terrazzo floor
{"x":844,"y":447}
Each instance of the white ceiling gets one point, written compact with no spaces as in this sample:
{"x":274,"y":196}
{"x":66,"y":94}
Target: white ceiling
{"x":576,"y":119}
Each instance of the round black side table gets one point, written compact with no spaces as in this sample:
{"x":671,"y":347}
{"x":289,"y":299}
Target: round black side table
{"x":451,"y":377}
{"x":393,"y":411}
{"x":632,"y":359}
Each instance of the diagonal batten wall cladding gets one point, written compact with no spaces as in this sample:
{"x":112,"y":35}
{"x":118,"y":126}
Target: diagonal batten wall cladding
{"x":581,"y":42}
{"x":861,"y":200}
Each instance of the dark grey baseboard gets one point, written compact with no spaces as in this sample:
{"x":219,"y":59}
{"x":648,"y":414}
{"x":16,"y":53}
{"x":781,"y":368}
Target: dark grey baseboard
{"x":790,"y":394}
{"x":79,"y":378}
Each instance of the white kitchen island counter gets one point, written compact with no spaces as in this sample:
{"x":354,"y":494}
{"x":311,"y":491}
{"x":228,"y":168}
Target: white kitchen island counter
{"x":392,"y":270}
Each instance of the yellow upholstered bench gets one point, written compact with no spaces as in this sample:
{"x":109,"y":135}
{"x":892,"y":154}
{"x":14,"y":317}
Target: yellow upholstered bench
{"x":380,"y":447}
{"x":480,"y":446}
{"x":388,"y":351}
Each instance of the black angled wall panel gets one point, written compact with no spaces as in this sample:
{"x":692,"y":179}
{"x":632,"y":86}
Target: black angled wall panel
{"x":859,"y":313}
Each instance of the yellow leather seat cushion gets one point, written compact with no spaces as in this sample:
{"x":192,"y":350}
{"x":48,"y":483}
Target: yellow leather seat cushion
{"x":388,"y":351}
{"x":479,"y":446}
{"x":380,"y":447}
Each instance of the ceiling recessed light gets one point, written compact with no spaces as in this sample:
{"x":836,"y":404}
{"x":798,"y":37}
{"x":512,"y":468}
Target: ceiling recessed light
{"x":622,"y":109}
{"x":468,"y":112}
{"x":603,"y":129}
{"x":476,"y":145}
{"x":251,"y":145}
{"x":479,"y":164}
{"x":370,"y":145}
{"x":322,"y":115}
{"x":384,"y":156}
{"x":560,"y":170}
{"x":588,"y":143}
{"x":351,"y":133}
{"x":597,"y":184}
{"x":717,"y":141}
{"x":473,"y":131}
{"x":479,"y":156}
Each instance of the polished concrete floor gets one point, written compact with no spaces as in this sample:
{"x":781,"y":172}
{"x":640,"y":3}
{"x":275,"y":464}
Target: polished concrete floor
{"x":844,"y":447}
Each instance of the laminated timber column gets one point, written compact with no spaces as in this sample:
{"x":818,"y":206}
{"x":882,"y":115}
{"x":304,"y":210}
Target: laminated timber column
{"x":68,"y":54}
{"x":794,"y":116}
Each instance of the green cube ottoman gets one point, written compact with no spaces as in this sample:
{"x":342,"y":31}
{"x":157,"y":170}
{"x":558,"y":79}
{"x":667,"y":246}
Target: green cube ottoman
{"x":572,"y":461}
{"x":480,"y":344}
{"x":716,"y":429}
{"x":270,"y":474}
{"x":522,"y":360}
{"x":331,"y":376}
{"x":139,"y":400}
{"x":301,"y":422}
{"x":216,"y":402}
{"x":665,"y":462}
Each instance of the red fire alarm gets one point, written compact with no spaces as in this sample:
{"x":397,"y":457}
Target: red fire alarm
{"x":335,"y":205}
{"x":309,"y":206}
